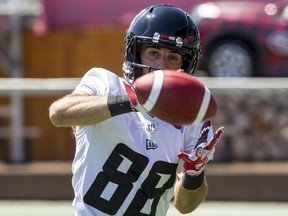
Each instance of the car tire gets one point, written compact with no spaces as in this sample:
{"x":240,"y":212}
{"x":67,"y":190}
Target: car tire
{"x":230,"y":58}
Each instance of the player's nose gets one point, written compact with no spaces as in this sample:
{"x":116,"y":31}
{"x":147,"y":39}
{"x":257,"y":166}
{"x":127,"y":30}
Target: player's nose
{"x":162,"y":64}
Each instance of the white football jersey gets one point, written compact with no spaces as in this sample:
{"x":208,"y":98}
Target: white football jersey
{"x":126,"y":165}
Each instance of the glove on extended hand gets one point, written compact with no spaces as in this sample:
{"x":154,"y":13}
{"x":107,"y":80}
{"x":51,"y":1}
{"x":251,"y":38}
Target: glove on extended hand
{"x":195,"y":162}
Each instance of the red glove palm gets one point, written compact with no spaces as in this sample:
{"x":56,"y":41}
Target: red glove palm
{"x":195,"y":162}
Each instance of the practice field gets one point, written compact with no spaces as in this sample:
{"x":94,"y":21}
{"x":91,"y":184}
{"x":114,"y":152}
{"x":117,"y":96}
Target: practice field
{"x":63,"y":208}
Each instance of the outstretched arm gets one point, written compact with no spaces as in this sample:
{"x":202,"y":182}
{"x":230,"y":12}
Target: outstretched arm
{"x":79,"y":109}
{"x":83,"y":109}
{"x":191,"y":187}
{"x":186,"y":200}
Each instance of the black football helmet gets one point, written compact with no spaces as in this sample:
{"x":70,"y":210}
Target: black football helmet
{"x":161,"y":26}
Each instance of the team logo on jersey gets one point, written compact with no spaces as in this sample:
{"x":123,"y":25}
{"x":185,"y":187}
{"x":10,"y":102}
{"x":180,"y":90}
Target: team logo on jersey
{"x":151,"y":126}
{"x":151,"y":145}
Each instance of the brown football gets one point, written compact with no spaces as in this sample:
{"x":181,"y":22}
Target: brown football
{"x":175,"y":97}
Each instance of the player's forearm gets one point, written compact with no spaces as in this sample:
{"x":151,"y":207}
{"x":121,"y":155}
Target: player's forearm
{"x":73,"y":110}
{"x":187,"y":201}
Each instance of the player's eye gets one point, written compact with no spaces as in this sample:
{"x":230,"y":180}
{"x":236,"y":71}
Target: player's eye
{"x":175,"y":58}
{"x":153,"y":53}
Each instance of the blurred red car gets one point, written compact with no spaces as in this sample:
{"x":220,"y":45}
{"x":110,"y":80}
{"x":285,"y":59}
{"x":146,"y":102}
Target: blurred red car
{"x":243,"y":38}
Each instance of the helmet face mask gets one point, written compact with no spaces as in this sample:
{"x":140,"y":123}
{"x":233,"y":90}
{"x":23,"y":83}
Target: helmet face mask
{"x":161,"y":26}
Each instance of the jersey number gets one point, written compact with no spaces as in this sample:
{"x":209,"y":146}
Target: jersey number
{"x":122,"y":182}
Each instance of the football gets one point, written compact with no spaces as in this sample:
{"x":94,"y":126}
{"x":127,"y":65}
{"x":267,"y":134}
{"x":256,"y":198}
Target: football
{"x":175,"y":97}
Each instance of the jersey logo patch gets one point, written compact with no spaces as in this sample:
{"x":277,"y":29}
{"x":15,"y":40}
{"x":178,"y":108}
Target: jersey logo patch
{"x":150,"y":145}
{"x":151,"y":126}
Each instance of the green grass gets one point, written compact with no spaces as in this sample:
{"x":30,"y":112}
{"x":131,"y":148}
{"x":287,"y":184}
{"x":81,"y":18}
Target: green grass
{"x":64,"y":208}
{"x":36,"y":208}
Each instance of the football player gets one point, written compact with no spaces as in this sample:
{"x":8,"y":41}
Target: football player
{"x":128,"y":162}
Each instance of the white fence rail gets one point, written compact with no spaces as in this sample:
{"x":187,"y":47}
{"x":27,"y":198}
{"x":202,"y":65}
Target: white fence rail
{"x":38,"y":86}
{"x":17,"y":88}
